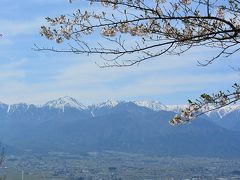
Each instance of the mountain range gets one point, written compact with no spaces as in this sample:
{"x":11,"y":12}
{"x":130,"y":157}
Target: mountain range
{"x":66,"y":125}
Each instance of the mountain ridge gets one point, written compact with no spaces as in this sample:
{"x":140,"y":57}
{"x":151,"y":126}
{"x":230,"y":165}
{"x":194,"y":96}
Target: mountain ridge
{"x":69,"y":102}
{"x":119,"y":126}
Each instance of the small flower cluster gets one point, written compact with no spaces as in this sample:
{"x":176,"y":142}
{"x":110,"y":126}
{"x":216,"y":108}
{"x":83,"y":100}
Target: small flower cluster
{"x":109,"y":31}
{"x":65,"y":28}
{"x":47,"y":32}
{"x":123,"y":27}
{"x":140,"y":30}
{"x":160,"y":1}
{"x":57,"y":20}
{"x":186,"y":2}
{"x":220,"y":12}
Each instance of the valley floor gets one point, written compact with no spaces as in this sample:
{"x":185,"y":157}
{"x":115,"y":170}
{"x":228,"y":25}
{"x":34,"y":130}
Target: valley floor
{"x":114,"y":165}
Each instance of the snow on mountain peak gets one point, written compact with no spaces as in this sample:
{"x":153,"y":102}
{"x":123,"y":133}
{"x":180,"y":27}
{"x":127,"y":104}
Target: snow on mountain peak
{"x":225,"y":110}
{"x":70,"y":102}
{"x":66,"y":101}
{"x":108,"y":104}
{"x":176,"y":108}
{"x":221,"y":111}
{"x":158,"y":106}
{"x":153,"y":105}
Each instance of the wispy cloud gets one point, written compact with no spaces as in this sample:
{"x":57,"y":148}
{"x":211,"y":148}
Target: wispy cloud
{"x":19,"y":27}
{"x":11,"y":70}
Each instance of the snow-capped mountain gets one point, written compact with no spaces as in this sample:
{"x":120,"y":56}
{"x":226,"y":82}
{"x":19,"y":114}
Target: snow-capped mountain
{"x":16,"y":107}
{"x":65,"y":124}
{"x":225,"y":110}
{"x":64,"y":102}
{"x":153,"y":105}
{"x":107,"y":104}
{"x":69,"y":102}
{"x":158,"y":106}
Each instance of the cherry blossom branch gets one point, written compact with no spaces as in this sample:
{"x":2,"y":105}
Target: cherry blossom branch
{"x":182,"y":25}
{"x":207,"y":103}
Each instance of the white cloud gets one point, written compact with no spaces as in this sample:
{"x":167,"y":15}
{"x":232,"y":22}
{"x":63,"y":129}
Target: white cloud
{"x":5,"y":42}
{"x":92,"y":84}
{"x":17,"y":27}
{"x":12,"y":70}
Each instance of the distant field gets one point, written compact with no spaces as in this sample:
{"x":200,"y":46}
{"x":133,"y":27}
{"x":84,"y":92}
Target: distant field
{"x":14,"y":174}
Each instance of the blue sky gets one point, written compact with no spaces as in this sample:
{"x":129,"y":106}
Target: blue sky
{"x":36,"y":77}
